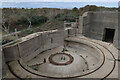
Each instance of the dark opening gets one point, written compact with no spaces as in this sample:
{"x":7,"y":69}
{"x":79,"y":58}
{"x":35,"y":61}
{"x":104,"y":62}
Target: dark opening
{"x":51,"y":40}
{"x":68,"y":31}
{"x":109,"y":35}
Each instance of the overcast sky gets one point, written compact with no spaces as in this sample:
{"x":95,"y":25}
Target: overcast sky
{"x":60,"y":0}
{"x":56,"y":3}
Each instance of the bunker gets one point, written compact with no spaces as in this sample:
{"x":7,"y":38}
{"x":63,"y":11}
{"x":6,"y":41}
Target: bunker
{"x":101,"y":25}
{"x":87,"y":49}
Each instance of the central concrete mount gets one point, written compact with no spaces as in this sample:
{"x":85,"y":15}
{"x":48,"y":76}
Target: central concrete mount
{"x":61,"y":59}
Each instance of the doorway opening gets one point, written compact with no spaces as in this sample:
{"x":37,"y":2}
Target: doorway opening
{"x":108,"y":35}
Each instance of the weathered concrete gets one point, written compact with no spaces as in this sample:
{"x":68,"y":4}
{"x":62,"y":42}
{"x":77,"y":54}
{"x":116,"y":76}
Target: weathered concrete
{"x":94,"y":24}
{"x":87,"y":47}
{"x":32,"y":45}
{"x":80,"y":26}
{"x":37,"y":46}
{"x":119,"y":28}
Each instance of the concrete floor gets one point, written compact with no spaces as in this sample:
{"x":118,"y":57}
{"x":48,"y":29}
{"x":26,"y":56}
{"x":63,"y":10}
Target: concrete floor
{"x":85,"y":59}
{"x":92,"y":59}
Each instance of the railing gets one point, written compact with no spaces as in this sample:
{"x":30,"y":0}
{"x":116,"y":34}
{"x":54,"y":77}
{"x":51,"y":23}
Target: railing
{"x":11,"y":34}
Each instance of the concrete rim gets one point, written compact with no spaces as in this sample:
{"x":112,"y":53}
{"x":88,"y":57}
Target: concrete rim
{"x":61,"y":64}
{"x":71,"y":76}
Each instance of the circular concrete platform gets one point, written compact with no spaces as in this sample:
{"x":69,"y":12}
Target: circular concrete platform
{"x":78,"y":59}
{"x":61,"y":59}
{"x":81,"y":58}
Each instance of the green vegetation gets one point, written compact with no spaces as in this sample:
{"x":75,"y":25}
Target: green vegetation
{"x":8,"y":39}
{"x":39,"y":19}
{"x":95,"y":8}
{"x":35,"y":67}
{"x":119,"y":60}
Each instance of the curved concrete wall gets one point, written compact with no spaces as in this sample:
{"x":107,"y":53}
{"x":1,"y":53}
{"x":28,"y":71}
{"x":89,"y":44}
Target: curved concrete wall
{"x":39,"y":42}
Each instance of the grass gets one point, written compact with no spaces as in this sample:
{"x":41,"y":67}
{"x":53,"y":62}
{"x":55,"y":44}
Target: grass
{"x":12,"y":43}
{"x":8,"y":39}
{"x":118,"y":60}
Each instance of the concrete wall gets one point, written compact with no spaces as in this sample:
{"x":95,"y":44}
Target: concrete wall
{"x":80,"y":25}
{"x":119,"y":28}
{"x":91,"y":24}
{"x":29,"y":48}
{"x":94,"y":24}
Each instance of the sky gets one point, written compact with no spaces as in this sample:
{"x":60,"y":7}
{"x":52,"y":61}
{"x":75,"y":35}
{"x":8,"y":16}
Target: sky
{"x":60,"y":0}
{"x":56,"y":3}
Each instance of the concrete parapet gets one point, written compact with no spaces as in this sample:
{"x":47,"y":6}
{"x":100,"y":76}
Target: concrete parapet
{"x":33,"y":44}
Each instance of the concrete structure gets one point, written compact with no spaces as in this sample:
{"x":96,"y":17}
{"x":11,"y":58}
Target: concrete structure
{"x":101,"y":58}
{"x":99,"y":25}
{"x":33,"y":44}
{"x":68,"y":53}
